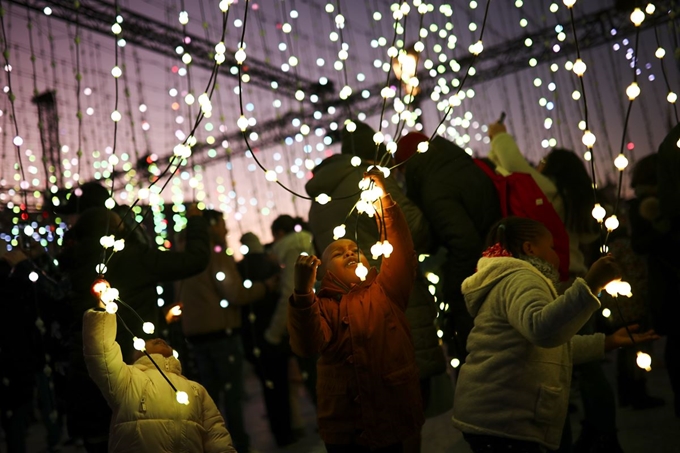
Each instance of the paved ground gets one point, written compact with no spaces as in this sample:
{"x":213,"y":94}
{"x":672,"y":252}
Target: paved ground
{"x":649,"y":431}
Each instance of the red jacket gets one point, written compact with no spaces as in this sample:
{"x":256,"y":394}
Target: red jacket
{"x":367,"y":386}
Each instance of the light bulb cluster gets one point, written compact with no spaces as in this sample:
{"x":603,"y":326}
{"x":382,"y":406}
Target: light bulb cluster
{"x":383,"y":248}
{"x":618,"y":288}
{"x":103,"y":291}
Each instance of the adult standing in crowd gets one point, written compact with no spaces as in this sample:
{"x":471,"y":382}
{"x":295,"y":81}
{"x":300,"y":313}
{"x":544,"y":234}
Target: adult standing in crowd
{"x":461,"y":204}
{"x":211,"y":321}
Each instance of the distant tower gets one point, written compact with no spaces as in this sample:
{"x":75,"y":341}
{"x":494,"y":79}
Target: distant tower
{"x":48,"y":123}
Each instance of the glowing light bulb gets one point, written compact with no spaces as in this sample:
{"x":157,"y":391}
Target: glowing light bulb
{"x":660,"y":53}
{"x":672,"y":97}
{"x":569,"y":3}
{"x":111,"y":308}
{"x":361,"y":271}
{"x":624,"y":289}
{"x":611,"y":223}
{"x":355,"y":161}
{"x":392,"y":147}
{"x":270,"y":175}
{"x":116,"y":28}
{"x":110,"y":203}
{"x":621,"y":162}
{"x":116,"y":116}
{"x":176,"y":310}
{"x":33,"y":276}
{"x":633,"y":91}
{"x":455,"y":363}
{"x":476,"y":48}
{"x":606,"y":312}
{"x":220,"y":276}
{"x":351,"y":126}
{"x":18,"y":141}
{"x":599,"y":212}
{"x":182,"y":398}
{"x":644,"y":361}
{"x":220,"y":48}
{"x":376,"y":250}
{"x":650,"y":8}
{"x":186,"y":59}
{"x":339,"y":232}
{"x":139,"y":344}
{"x":637,"y":16}
{"x":579,"y":67}
{"x":588,"y":139}
{"x":240,"y":55}
{"x":378,"y":137}
{"x":119,"y":245}
{"x":116,"y":72}
{"x":107,"y":241}
{"x":100,"y":269}
{"x":423,"y":147}
{"x":148,"y":328}
{"x":387,"y":248}
{"x":323,"y":198}
{"x":242,"y":123}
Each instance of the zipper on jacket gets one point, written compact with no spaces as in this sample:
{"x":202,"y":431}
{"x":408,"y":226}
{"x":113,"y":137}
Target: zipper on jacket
{"x":142,"y":405}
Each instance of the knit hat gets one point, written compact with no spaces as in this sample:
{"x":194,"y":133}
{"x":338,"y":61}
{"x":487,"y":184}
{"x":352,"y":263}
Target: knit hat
{"x":253,"y":243}
{"x":407,"y":146}
{"x":360,"y":142}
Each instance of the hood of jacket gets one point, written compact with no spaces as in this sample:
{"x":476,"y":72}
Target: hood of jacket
{"x":490,"y":271}
{"x":166,"y":364}
{"x":330,"y":174}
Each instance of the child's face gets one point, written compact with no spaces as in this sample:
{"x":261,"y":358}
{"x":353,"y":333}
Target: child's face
{"x":543,"y":247}
{"x":340,"y":257}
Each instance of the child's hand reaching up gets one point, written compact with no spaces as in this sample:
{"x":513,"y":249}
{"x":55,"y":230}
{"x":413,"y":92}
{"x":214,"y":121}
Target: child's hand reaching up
{"x":305,"y":273}
{"x":602,"y":272}
{"x":622,"y":338}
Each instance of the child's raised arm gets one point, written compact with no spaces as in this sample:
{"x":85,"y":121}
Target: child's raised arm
{"x":397,"y":272}
{"x":309,"y":331}
{"x":103,"y":357}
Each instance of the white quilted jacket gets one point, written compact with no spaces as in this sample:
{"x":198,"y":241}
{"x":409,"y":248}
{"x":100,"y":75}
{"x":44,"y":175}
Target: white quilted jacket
{"x":146,"y":414}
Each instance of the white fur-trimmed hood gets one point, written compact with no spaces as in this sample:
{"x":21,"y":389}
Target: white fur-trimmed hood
{"x":489,"y":272}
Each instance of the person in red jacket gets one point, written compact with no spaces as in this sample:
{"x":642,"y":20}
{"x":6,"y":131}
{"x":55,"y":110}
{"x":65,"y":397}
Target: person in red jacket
{"x":368,"y":384}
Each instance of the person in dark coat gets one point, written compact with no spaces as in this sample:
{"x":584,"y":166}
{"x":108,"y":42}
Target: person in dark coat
{"x":135,"y":271}
{"x":461,"y":204}
{"x":270,"y":361}
{"x":655,"y":233}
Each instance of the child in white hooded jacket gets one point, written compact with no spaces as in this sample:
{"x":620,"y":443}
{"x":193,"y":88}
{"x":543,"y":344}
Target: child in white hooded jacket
{"x":513,"y":390}
{"x":146,"y":413}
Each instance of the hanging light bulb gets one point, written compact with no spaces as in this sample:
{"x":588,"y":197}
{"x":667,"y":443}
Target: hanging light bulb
{"x":240,"y":55}
{"x":376,"y":250}
{"x":339,"y":232}
{"x":637,"y":16}
{"x":242,"y":123}
{"x":387,"y":248}
{"x":361,"y":271}
{"x":569,"y":3}
{"x":650,"y":8}
{"x":660,"y":53}
{"x":139,"y":344}
{"x":633,"y":91}
{"x":148,"y":328}
{"x":270,"y":175}
{"x":588,"y":139}
{"x":621,"y":162}
{"x":644,"y":361}
{"x":322,"y":198}
{"x":423,"y":147}
{"x":611,"y":223}
{"x":672,"y":97}
{"x":182,"y":398}
{"x":599,"y":212}
{"x":111,"y":308}
{"x":579,"y":67}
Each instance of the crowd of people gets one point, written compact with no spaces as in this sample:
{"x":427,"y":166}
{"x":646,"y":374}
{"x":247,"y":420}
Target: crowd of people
{"x":522,"y":285}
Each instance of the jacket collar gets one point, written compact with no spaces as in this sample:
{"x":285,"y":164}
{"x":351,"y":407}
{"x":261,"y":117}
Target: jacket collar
{"x":332,"y":286}
{"x":166,"y":364}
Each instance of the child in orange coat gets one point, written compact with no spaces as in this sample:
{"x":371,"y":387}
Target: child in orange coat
{"x":368,"y":384}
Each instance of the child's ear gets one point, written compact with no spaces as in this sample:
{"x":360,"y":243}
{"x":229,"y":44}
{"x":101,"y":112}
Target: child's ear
{"x":528,"y":248}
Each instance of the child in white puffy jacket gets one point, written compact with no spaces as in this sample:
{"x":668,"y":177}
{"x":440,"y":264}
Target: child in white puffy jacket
{"x":146,"y":413}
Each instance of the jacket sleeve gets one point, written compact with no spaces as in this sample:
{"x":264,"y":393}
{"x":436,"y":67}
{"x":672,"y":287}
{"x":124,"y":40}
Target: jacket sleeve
{"x":397,"y":273}
{"x":169,"y":266}
{"x":504,"y":152}
{"x":231,"y":286}
{"x":416,"y":221}
{"x":103,"y":357}
{"x":587,"y":348}
{"x":545,"y":322}
{"x":277,"y":326}
{"x":216,"y":438}
{"x":309,"y":330}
